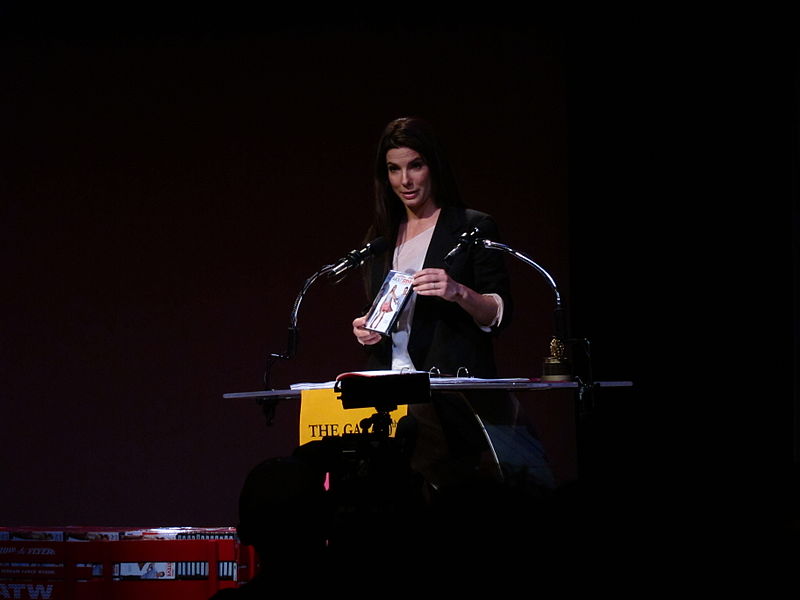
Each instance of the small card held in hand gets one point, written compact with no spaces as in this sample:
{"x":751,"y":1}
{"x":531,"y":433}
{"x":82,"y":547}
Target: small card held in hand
{"x":389,"y":302}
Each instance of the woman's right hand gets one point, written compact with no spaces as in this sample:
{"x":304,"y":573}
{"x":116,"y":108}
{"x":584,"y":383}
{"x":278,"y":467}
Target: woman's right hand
{"x":365,"y":337}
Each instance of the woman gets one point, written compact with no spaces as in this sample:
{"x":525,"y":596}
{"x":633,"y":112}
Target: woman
{"x":449,"y":322}
{"x":387,"y":305}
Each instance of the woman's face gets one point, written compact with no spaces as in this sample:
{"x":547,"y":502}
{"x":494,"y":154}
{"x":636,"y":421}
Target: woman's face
{"x":410,"y":178}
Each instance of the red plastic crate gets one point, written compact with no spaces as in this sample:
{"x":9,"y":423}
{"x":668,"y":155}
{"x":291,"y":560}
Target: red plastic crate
{"x":92,"y":570}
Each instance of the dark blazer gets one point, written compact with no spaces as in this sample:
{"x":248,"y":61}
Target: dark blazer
{"x":444,"y":335}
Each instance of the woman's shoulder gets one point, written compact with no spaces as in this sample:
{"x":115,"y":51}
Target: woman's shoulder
{"x":477,"y":218}
{"x":466,"y":216}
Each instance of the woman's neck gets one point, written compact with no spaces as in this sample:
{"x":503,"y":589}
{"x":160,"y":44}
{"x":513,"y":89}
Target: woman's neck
{"x":416,"y":223}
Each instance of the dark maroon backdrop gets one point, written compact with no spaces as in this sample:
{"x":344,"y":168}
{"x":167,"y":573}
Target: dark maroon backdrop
{"x":166,"y":196}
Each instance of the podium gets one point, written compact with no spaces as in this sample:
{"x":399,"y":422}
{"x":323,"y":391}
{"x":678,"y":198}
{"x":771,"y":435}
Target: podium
{"x":440,"y":384}
{"x":559,"y":403}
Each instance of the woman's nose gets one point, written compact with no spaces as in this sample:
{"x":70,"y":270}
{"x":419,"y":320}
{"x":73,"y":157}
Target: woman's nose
{"x":406,"y":178}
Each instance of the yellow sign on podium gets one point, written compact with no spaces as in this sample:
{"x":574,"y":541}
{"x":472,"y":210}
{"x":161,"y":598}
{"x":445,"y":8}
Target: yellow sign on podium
{"x":322,"y":415}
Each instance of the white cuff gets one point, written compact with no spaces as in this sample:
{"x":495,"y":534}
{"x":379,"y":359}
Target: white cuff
{"x":498,"y":316}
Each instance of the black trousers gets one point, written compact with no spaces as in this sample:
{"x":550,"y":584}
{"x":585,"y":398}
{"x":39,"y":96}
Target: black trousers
{"x":471,"y":437}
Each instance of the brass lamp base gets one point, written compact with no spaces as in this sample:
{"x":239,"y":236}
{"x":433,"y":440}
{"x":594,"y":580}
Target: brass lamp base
{"x":556,"y":366}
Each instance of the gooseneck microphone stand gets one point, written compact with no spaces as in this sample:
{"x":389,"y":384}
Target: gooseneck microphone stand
{"x":560,"y":331}
{"x":336,"y":272}
{"x":556,"y":366}
{"x":268,"y":405}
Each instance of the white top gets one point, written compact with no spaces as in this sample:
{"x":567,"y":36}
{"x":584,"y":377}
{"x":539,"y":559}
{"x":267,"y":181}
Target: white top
{"x":409,"y":258}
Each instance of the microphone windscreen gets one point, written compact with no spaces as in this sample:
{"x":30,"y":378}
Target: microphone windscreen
{"x":378,"y":246}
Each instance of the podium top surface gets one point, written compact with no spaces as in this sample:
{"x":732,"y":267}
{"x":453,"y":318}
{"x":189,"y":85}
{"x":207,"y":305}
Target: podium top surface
{"x":440,"y":384}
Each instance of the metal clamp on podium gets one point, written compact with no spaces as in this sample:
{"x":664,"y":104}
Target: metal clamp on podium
{"x":384,"y":393}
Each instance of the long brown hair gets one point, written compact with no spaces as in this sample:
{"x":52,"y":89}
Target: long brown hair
{"x":417,"y":134}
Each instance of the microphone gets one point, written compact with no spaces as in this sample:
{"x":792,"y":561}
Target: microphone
{"x":355,"y":258}
{"x":464,"y":240}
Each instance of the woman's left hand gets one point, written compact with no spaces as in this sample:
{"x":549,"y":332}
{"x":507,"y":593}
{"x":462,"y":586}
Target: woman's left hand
{"x":436,"y":282}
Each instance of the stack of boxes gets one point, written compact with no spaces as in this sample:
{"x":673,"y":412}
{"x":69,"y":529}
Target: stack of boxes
{"x":84,"y":563}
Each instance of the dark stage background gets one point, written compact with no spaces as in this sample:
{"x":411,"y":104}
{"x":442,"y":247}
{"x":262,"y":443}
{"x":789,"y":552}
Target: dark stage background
{"x":167,"y":191}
